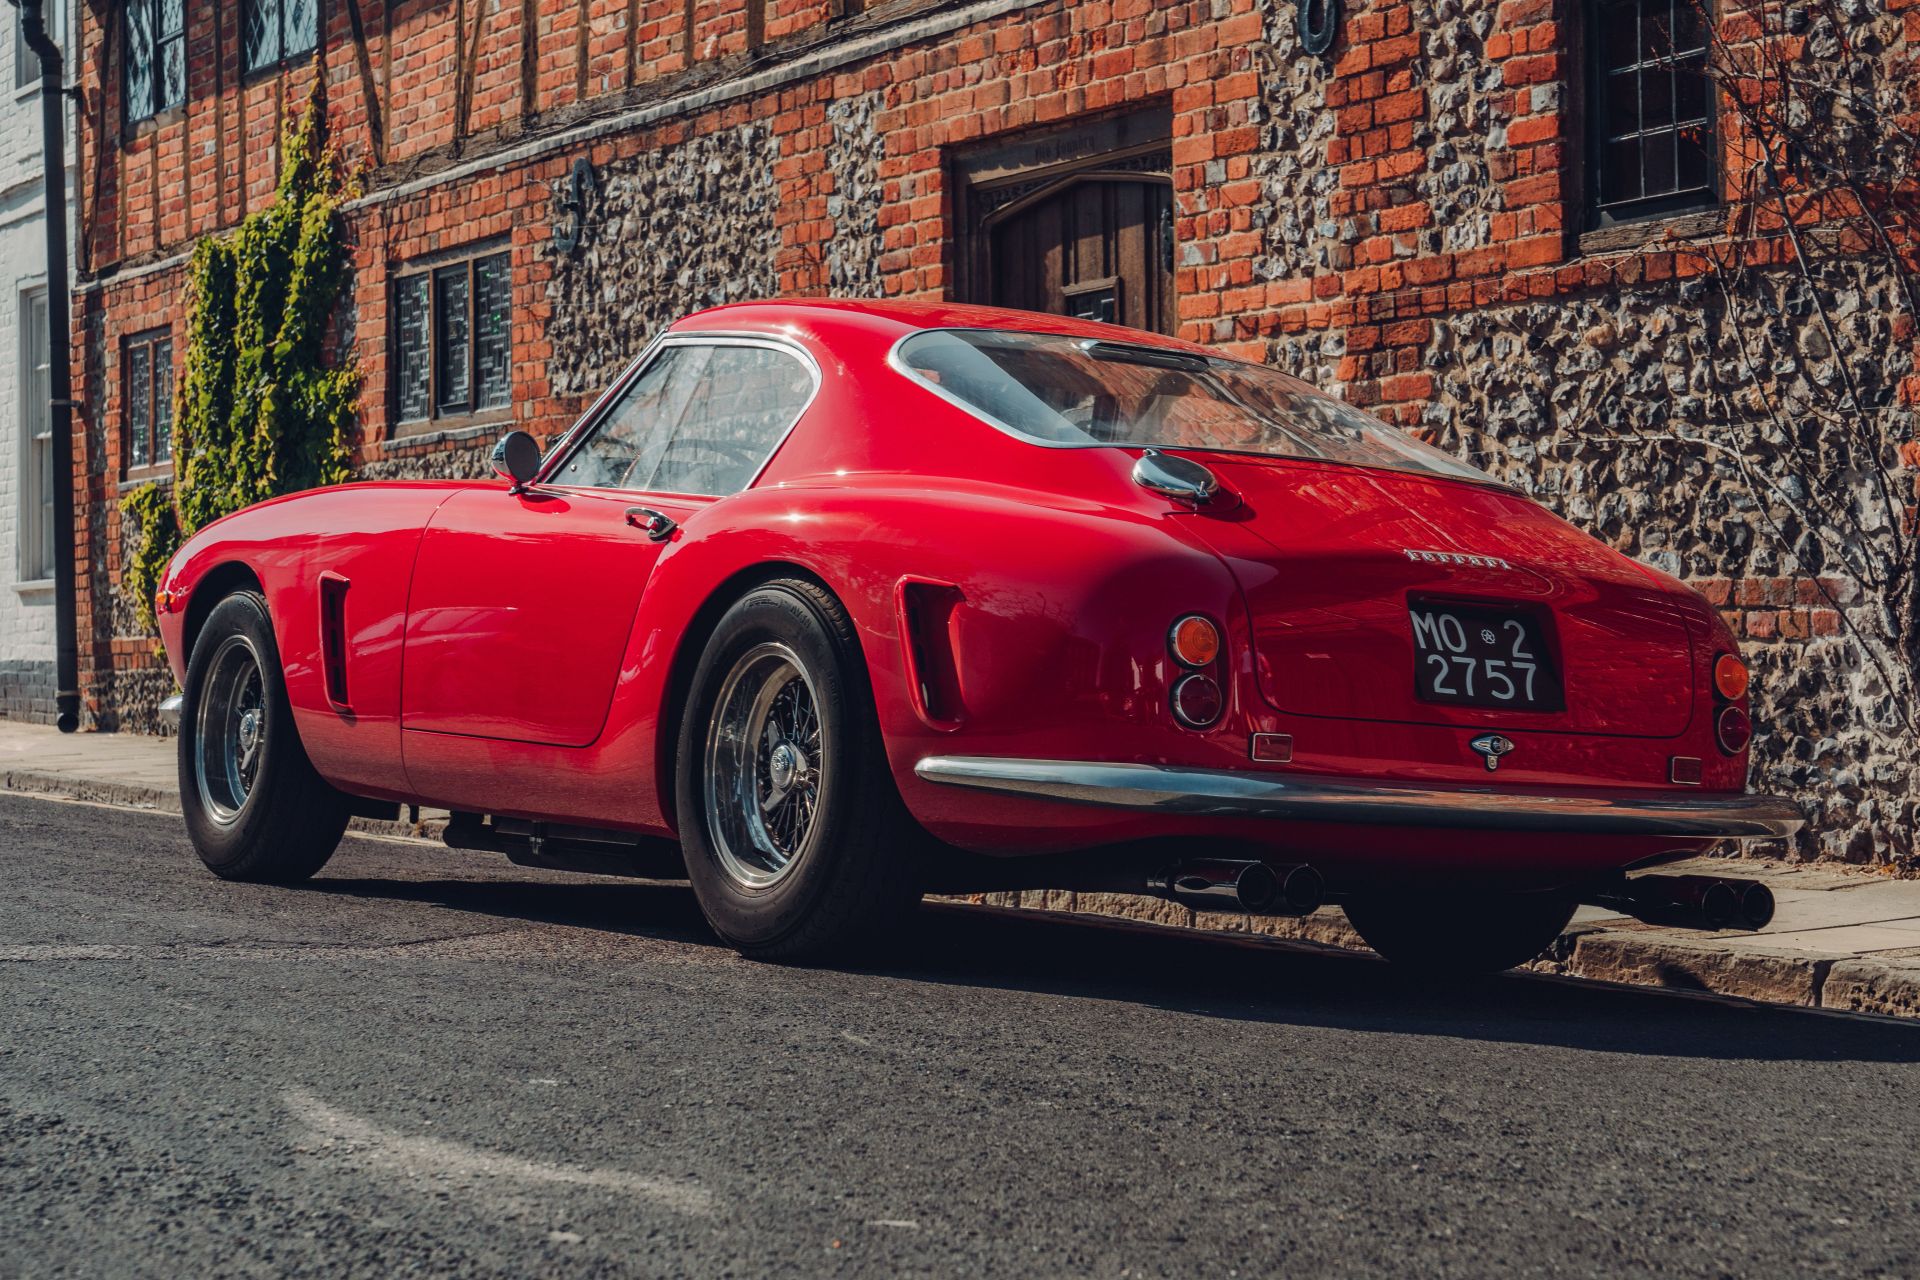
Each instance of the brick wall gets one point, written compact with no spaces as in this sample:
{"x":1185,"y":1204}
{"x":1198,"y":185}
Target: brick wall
{"x":1400,"y":220}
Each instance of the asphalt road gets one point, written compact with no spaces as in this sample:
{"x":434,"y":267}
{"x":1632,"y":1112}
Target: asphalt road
{"x":431,"y":1063}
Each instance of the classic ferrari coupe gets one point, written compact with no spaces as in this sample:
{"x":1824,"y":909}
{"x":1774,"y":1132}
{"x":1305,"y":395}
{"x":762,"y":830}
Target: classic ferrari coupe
{"x":827,"y":605}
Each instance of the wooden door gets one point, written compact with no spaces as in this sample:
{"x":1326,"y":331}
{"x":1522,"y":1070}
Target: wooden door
{"x":1093,"y":245}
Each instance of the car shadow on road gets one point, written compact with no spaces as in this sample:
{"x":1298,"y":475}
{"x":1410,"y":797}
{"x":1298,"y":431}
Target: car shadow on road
{"x":1220,"y":976}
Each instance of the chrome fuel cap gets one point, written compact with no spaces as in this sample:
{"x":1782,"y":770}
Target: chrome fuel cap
{"x":1180,"y":479}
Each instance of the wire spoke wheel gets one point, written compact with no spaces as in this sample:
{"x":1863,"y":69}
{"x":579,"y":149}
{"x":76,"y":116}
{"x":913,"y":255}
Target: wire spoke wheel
{"x":231,"y":730}
{"x":765,"y":767}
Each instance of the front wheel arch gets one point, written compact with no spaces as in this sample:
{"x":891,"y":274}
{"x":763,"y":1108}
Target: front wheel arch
{"x":219,"y":582}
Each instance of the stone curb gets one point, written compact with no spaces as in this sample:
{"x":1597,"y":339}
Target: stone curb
{"x":1630,"y":955}
{"x":128,"y":795}
{"x":1636,"y":956}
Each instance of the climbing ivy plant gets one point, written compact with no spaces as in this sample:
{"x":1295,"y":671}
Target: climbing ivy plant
{"x":260,"y":410}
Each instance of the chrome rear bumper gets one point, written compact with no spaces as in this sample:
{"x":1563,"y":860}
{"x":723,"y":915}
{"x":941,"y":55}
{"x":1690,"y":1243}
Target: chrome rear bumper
{"x":170,"y":709}
{"x":1226,"y":793}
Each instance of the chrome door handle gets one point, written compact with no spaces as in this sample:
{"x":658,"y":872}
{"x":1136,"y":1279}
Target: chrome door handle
{"x":656,"y":525}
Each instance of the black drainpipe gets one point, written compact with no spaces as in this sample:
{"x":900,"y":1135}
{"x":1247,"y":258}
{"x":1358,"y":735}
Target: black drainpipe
{"x":66,"y":649}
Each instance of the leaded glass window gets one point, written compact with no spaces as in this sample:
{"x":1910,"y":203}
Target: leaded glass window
{"x":156,"y":60}
{"x":453,"y":343}
{"x":277,"y":31}
{"x":149,"y":403}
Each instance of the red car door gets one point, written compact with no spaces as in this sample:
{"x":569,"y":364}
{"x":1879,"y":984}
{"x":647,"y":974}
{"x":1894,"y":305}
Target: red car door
{"x":520,"y":611}
{"x":522,"y":604}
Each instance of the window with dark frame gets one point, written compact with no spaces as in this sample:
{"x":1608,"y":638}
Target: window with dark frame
{"x":36,"y":421}
{"x":156,"y":57}
{"x":1652,"y":148}
{"x":277,"y":31}
{"x":453,"y":339}
{"x":148,"y":411}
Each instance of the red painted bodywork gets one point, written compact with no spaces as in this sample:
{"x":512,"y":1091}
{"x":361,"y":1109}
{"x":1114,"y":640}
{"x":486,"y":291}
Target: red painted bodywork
{"x":516,"y":653}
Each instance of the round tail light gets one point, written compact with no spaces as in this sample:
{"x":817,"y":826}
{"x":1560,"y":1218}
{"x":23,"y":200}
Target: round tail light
{"x":1194,"y":641}
{"x":1197,"y":701}
{"x":1733,"y":729}
{"x":1730,"y":678}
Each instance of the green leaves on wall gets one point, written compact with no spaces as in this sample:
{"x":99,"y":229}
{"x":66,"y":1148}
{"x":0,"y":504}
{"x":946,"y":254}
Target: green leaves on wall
{"x":259,"y":410}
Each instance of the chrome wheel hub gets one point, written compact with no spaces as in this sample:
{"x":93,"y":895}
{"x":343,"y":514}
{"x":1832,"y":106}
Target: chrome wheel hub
{"x":229,"y":730}
{"x":763,"y":777}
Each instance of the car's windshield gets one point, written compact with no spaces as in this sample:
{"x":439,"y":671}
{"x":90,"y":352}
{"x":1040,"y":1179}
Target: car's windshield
{"x":1080,"y":392}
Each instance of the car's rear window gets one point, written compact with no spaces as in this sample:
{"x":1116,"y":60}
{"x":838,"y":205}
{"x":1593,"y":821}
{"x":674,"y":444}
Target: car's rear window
{"x":1077,"y":392}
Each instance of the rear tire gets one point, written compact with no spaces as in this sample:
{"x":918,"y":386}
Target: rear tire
{"x":1460,"y":936}
{"x":255,"y":808}
{"x":795,"y":836}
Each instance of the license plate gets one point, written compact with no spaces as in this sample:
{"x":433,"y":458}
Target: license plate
{"x":1479,"y":657}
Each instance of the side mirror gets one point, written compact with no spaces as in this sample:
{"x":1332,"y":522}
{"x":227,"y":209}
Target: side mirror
{"x":516,"y":458}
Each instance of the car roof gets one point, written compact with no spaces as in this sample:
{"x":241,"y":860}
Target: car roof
{"x":896,"y":319}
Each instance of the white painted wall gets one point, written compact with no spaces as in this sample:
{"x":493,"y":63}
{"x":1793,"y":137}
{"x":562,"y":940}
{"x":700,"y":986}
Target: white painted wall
{"x":26,"y":608}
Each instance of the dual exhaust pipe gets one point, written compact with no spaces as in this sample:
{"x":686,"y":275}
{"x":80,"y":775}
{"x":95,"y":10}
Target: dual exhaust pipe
{"x":1259,"y":888}
{"x":1691,"y":902}
{"x":1228,"y":884}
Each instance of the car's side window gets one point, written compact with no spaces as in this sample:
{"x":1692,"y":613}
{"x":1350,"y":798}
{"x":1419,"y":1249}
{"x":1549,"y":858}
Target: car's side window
{"x":701,"y":418}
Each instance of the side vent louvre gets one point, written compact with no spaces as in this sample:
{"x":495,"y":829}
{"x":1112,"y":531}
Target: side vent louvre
{"x":927,"y":626}
{"x":333,"y":638}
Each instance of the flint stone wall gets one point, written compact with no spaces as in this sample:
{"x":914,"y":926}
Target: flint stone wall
{"x":671,"y":231}
{"x":1643,"y":417}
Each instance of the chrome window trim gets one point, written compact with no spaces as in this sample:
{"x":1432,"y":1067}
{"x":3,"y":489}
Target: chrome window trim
{"x":901,"y":367}
{"x":1294,"y":797}
{"x":577,"y":435}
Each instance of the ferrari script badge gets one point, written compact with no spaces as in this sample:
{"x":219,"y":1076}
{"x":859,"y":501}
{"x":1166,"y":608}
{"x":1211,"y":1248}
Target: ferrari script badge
{"x":1491,"y":747}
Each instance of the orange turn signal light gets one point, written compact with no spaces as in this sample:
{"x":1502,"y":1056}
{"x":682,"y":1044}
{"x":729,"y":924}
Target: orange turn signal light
{"x":1730,"y":677}
{"x":1194,"y":641}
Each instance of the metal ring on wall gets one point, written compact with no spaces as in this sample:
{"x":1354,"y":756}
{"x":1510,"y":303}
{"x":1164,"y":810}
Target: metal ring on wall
{"x":1319,"y":24}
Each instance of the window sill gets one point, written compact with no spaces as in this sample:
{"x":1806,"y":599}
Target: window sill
{"x":152,"y":475}
{"x":285,"y":63}
{"x":1641,"y":233}
{"x":433,"y":431}
{"x":37,"y":587}
{"x":134,"y":130}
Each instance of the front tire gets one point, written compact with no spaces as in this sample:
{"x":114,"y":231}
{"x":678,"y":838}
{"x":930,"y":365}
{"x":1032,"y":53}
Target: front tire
{"x":256,"y":810}
{"x":1461,"y":936}
{"x":795,"y":837}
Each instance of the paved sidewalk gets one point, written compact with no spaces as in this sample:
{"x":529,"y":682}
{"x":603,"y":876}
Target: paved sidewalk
{"x":1842,"y":938}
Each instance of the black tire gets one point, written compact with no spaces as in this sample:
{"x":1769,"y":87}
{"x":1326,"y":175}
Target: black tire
{"x":1461,"y":936}
{"x":851,"y":850}
{"x":270,"y":819}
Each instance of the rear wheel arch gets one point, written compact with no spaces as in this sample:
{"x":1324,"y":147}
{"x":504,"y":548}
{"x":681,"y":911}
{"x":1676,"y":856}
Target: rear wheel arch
{"x":693,"y":643}
{"x":219,"y":582}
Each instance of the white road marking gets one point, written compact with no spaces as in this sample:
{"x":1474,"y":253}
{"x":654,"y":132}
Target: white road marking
{"x":341,"y":1135}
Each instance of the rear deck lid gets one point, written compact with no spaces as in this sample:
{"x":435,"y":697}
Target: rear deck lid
{"x":1359,"y":580}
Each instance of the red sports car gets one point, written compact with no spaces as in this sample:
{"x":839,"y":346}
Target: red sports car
{"x":826,"y":605}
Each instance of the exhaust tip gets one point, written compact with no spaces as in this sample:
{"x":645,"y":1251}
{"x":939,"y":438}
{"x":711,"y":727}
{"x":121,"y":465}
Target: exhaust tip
{"x":1303,"y":890}
{"x":1258,"y":887}
{"x":1719,"y":904}
{"x":1756,"y":905}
